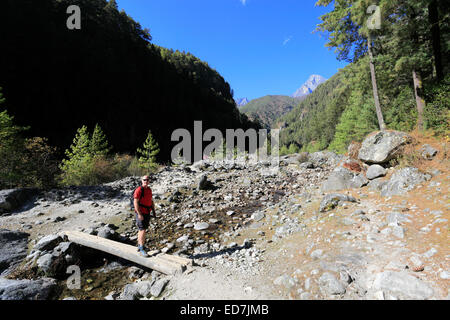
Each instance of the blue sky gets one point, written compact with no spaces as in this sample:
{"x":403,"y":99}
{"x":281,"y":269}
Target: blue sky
{"x":260,"y":47}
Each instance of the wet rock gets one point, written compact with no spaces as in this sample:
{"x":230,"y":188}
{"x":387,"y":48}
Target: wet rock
{"x":375,"y":171}
{"x":12,"y":199}
{"x":26,"y":289}
{"x":330,"y":201}
{"x":403,"y":181}
{"x":13,"y":249}
{"x":382,"y":146}
{"x":403,"y":284}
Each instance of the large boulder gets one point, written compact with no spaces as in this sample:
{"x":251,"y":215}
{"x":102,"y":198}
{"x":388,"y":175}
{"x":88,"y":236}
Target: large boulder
{"x":26,"y":289}
{"x":402,"y":284}
{"x":403,"y":181}
{"x":375,"y":171}
{"x":343,"y":178}
{"x":330,"y":201}
{"x":320,"y":158}
{"x":382,"y":146}
{"x":12,"y":199}
{"x":330,"y":285}
{"x":13,"y":249}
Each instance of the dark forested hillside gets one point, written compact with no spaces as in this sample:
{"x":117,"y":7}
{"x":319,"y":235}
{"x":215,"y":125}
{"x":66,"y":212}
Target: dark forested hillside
{"x":55,"y":80}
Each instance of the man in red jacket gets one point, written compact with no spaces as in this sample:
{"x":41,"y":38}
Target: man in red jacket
{"x":143,"y":204}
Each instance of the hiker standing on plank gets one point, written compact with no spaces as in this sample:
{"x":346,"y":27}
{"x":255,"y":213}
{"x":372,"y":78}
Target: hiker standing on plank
{"x":143,"y":204}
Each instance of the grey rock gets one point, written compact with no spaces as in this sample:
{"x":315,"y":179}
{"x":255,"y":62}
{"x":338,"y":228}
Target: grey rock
{"x":403,"y":284}
{"x":330,"y":284}
{"x":26,"y":289}
{"x":129,"y":292}
{"x":13,"y":249}
{"x":258,"y":216}
{"x":398,"y":231}
{"x":375,"y":171}
{"x":430,"y":253}
{"x":158,"y":287}
{"x":382,"y":146}
{"x":322,"y":158}
{"x":403,"y":181}
{"x":48,"y":242}
{"x":330,"y":201}
{"x":396,"y":218}
{"x":316,"y":254}
{"x":306,"y":296}
{"x":376,"y":184}
{"x":284,"y":280}
{"x":203,"y":183}
{"x":106,"y":232}
{"x":12,"y":199}
{"x":444,"y":275}
{"x":183,"y":238}
{"x":343,"y":178}
{"x":45,"y":262}
{"x":428,"y":152}
{"x":201,"y":226}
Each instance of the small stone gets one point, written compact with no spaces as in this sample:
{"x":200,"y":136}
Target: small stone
{"x":201,"y":226}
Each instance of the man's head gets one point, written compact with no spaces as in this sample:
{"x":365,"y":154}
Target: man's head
{"x":145,"y":181}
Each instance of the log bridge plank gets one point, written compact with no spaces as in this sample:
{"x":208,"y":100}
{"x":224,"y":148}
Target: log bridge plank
{"x":163,"y":263}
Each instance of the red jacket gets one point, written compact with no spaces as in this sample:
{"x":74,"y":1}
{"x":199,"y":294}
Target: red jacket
{"x":146,"y":200}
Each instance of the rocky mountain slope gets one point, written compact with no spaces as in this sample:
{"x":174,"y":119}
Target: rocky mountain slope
{"x":241,"y":102}
{"x":268,"y":109}
{"x":309,"y":86}
{"x":324,"y":226}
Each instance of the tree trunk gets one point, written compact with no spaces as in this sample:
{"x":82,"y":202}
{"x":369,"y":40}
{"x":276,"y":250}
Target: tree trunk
{"x":375,"y":88}
{"x":420,"y":102}
{"x":433,"y":18}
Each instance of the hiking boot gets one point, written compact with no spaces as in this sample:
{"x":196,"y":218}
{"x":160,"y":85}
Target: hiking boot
{"x":142,"y":252}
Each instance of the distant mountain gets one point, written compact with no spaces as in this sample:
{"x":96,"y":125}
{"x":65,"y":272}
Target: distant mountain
{"x":268,"y":109}
{"x":241,"y":102}
{"x":309,"y":86}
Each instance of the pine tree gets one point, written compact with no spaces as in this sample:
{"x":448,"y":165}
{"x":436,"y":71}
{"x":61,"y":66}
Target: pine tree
{"x":11,"y":150}
{"x":98,"y":144}
{"x":147,"y":159}
{"x":78,"y":167}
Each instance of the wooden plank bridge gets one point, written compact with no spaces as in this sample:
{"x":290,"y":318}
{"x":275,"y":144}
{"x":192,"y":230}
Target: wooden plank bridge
{"x":164,"y":263}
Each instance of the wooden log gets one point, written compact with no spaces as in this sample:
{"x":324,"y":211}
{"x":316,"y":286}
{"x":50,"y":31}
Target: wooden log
{"x":177,"y":259}
{"x":125,"y":251}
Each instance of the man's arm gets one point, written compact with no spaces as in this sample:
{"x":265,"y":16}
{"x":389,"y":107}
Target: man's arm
{"x":136,"y":207}
{"x":153,"y":209}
